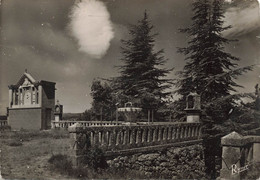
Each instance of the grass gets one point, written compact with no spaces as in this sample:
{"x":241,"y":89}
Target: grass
{"x":61,"y":163}
{"x":25,"y":154}
{"x":43,"y":155}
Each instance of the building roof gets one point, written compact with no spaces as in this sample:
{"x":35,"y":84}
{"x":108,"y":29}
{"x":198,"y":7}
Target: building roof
{"x":28,"y":76}
{"x":30,"y":79}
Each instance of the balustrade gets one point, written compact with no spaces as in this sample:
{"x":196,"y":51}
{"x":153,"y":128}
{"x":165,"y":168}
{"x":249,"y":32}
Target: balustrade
{"x":66,"y":124}
{"x":3,"y":123}
{"x":137,"y":136}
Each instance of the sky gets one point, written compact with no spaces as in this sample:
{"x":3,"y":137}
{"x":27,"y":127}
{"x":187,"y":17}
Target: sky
{"x":74,"y":42}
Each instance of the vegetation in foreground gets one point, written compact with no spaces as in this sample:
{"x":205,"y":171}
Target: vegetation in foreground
{"x":43,"y":155}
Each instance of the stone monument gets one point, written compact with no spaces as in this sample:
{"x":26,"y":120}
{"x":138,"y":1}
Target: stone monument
{"x":58,"y":111}
{"x":193,"y":107}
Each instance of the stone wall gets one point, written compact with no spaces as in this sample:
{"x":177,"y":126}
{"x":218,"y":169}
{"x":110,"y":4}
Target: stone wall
{"x":175,"y":162}
{"x":26,"y":118}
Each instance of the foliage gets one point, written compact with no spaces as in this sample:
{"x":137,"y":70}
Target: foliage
{"x":103,"y":105}
{"x":95,"y":158}
{"x":210,"y":72}
{"x":141,"y":79}
{"x":61,"y":163}
{"x":27,"y":135}
{"x":221,"y":117}
{"x":254,"y":172}
{"x":5,"y":128}
{"x":15,"y":143}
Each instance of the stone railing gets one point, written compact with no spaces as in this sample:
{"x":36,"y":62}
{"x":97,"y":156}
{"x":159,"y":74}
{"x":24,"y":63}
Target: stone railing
{"x":114,"y":140}
{"x":66,"y":124}
{"x":239,"y":154}
{"x":3,"y":123}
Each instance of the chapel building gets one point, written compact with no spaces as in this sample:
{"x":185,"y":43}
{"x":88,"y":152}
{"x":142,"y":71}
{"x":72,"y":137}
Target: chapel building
{"x":31,"y":103}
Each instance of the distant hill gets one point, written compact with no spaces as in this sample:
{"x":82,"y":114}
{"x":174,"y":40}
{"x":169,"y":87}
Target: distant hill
{"x":71,"y":116}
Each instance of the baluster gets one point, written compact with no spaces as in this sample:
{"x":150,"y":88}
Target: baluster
{"x":92,"y":137}
{"x":126,"y":138}
{"x":134,"y":136}
{"x":155,"y":134}
{"x":190,"y":132}
{"x":104,"y":138}
{"x":165,"y":133}
{"x":149,"y":135}
{"x":250,"y":154}
{"x":169,"y":133}
{"x":178,"y":133}
{"x":110,"y":138}
{"x":96,"y":136}
{"x":130,"y":136}
{"x":143,"y":135}
{"x":184,"y":132}
{"x":197,"y":131}
{"x":117,"y":137}
{"x":159,"y":134}
{"x":138,"y":136}
{"x":121,"y":136}
{"x":100,"y":137}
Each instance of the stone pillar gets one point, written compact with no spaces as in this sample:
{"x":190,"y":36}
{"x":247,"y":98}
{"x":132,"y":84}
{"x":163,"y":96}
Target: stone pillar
{"x":76,"y":151}
{"x":40,"y":95}
{"x":19,"y":97}
{"x":231,"y":154}
{"x":256,"y":152}
{"x":11,"y":100}
{"x":31,"y":90}
{"x":193,"y":116}
{"x":23,"y":96}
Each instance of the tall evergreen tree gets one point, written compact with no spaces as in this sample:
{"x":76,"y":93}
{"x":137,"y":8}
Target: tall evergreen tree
{"x":205,"y":54}
{"x":209,"y":71}
{"x":141,"y":76}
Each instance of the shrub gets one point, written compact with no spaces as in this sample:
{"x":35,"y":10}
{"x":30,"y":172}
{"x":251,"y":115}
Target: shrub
{"x":5,"y":128}
{"x":95,"y":158}
{"x":15,"y":143}
{"x":61,"y":163}
{"x":254,"y":172}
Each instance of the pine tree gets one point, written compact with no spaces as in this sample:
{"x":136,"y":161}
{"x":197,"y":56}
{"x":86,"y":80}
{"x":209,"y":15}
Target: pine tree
{"x":141,"y":76}
{"x":210,"y":71}
{"x":206,"y":56}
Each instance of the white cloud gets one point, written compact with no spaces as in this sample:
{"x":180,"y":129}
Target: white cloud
{"x":243,"y":18}
{"x":91,"y":25}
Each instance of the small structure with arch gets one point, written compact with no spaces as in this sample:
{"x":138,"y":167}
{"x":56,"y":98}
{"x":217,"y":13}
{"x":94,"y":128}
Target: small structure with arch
{"x":193,"y":108}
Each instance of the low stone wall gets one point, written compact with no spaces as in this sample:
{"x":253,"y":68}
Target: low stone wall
{"x":126,"y":140}
{"x":175,"y":162}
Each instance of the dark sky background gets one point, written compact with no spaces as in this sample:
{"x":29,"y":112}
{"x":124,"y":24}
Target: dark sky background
{"x":44,"y":36}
